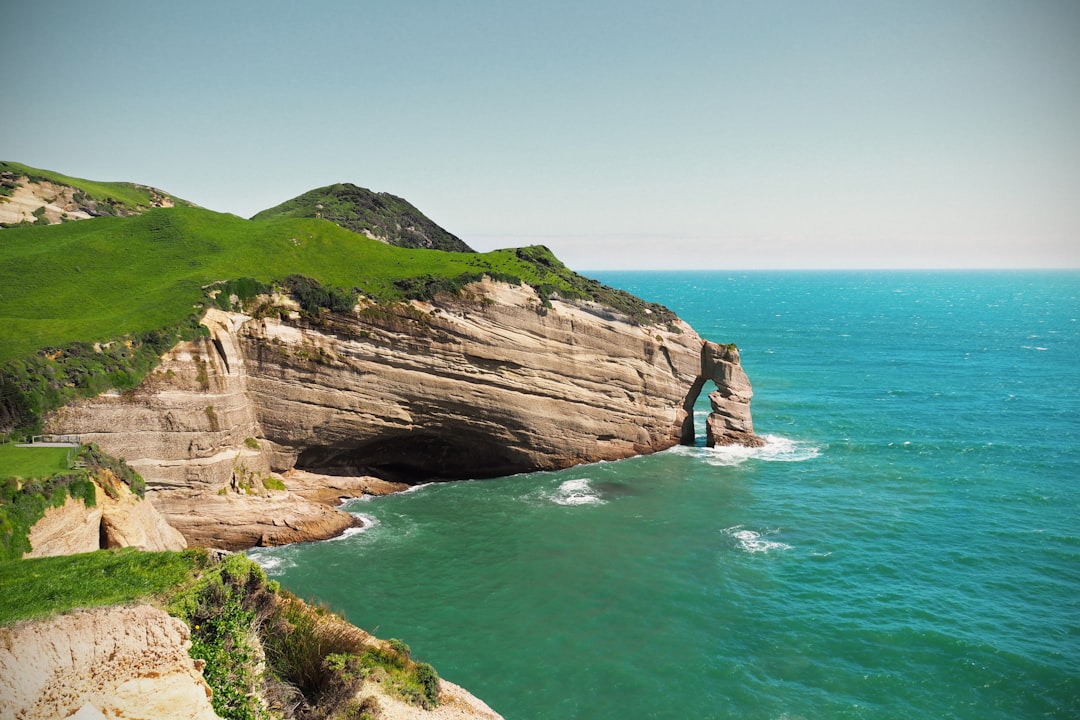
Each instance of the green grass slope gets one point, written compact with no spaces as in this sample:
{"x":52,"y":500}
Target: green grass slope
{"x":99,"y":280}
{"x":119,"y":197}
{"x":383,"y":215}
{"x":90,"y":305}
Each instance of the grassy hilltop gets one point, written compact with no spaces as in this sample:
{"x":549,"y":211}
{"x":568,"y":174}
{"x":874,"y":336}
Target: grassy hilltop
{"x":90,"y":305}
{"x":380,"y":215}
{"x":99,"y":280}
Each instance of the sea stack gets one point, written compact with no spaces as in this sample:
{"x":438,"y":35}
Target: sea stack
{"x":730,"y":422}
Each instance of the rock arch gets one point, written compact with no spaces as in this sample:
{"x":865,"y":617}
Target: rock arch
{"x":730,"y":422}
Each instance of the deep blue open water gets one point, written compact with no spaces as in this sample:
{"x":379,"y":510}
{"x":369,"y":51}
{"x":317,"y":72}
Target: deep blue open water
{"x":906,"y":546}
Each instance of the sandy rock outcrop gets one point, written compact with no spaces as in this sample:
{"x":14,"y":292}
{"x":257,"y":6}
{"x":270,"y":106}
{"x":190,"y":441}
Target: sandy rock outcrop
{"x":55,"y":203}
{"x":121,"y":521}
{"x":113,"y":662}
{"x":455,"y":703}
{"x":489,"y":383}
{"x":332,"y":489}
{"x":129,"y":521}
{"x":233,"y":521}
{"x":66,"y":530}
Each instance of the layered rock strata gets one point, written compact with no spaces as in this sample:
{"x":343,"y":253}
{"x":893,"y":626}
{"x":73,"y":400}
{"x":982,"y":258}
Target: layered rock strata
{"x":492,"y":382}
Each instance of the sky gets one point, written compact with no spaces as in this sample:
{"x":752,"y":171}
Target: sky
{"x":623,"y":134}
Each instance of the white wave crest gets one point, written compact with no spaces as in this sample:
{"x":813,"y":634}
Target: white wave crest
{"x":775,"y":449}
{"x":416,"y":488}
{"x":271,"y":560}
{"x":577,"y":492}
{"x":752,"y":541}
{"x":369,"y":522}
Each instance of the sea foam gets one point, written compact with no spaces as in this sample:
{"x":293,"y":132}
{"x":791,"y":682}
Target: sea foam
{"x":271,"y":559}
{"x":775,"y":449}
{"x":370,"y":522}
{"x":752,"y":541}
{"x":577,"y":492}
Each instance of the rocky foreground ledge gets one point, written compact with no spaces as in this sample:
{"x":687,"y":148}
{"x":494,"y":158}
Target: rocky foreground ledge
{"x":226,"y":644}
{"x":245,"y":435}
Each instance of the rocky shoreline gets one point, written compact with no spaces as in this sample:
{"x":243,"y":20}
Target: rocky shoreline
{"x":252,"y":435}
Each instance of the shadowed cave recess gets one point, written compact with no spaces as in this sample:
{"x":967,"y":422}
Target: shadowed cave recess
{"x":454,"y":451}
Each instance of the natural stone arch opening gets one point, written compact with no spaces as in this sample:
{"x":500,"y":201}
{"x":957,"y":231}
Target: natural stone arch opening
{"x":689,"y":427}
{"x":729,"y":423}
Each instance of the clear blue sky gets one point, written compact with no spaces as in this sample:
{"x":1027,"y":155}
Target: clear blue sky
{"x":671,"y":134}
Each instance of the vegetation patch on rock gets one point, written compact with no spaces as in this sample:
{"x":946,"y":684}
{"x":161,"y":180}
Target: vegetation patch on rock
{"x":268,"y":653}
{"x":24,"y":500}
{"x":94,"y":198}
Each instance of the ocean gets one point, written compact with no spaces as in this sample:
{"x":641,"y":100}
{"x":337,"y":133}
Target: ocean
{"x":907,"y":544}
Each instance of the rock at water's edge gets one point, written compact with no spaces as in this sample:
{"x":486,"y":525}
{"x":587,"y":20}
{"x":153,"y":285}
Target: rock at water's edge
{"x":730,"y":422}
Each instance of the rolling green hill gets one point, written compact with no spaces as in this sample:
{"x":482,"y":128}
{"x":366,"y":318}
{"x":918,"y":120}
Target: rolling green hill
{"x":101,"y":279}
{"x":380,"y":215}
{"x":90,"y":305}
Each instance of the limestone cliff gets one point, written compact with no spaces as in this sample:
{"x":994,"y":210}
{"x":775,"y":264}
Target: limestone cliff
{"x":493,"y":381}
{"x":730,"y":422}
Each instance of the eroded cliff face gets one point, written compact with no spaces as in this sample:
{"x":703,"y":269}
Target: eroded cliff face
{"x":134,"y":663}
{"x":485,"y":384}
{"x":730,"y":422}
{"x":114,"y":662}
{"x":55,"y":203}
{"x":118,"y":519}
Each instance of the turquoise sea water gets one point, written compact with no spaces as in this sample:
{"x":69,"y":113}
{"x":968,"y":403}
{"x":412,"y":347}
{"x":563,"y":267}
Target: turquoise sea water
{"x":906,"y":546}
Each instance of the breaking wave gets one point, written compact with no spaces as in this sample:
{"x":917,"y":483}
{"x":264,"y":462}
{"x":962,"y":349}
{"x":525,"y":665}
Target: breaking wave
{"x":577,"y":492}
{"x":271,"y":559}
{"x":370,"y":522}
{"x":775,"y":449}
{"x":752,"y":541}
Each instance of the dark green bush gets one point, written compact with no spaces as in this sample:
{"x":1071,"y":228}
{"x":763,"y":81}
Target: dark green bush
{"x":429,"y":682}
{"x":313,"y":296}
{"x":426,"y":287}
{"x":97,"y":460}
{"x":243,"y":289}
{"x":222,"y":611}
